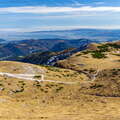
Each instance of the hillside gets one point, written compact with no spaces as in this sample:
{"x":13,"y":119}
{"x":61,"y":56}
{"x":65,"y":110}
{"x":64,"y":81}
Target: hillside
{"x":12,"y":49}
{"x":29,"y":99}
{"x":87,"y":87}
{"x":96,"y":56}
{"x":62,"y":94}
{"x":106,"y":84}
{"x":48,"y":57}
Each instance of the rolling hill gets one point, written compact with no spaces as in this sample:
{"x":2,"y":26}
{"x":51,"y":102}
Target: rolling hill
{"x":85,"y":88}
{"x":49,"y":58}
{"x":12,"y":49}
{"x":22,"y":44}
{"x":96,"y":56}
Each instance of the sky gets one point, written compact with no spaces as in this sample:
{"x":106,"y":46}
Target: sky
{"x":43,"y":15}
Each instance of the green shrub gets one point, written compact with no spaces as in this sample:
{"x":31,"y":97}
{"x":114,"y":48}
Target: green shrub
{"x":103,"y":48}
{"x":79,"y":54}
{"x":114,"y":45}
{"x":98,"y":54}
{"x":58,"y":89}
{"x":96,"y":86}
{"x":18,"y":91}
{"x":86,"y":52}
{"x":37,"y":76}
{"x":37,"y":84}
{"x":51,"y":68}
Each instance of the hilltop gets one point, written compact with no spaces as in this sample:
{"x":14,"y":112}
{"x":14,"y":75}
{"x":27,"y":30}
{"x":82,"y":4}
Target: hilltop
{"x":96,"y":56}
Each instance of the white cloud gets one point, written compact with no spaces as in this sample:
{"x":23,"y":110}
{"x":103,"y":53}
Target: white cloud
{"x":76,"y":3}
{"x":99,"y":3}
{"x":75,"y":27}
{"x":52,"y":28}
{"x":10,"y":29}
{"x":45,"y":9}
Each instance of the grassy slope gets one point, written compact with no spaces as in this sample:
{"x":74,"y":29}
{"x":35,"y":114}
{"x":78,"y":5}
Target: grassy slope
{"x":86,"y":100}
{"x":85,"y":60}
{"x":50,"y":101}
{"x":20,"y":97}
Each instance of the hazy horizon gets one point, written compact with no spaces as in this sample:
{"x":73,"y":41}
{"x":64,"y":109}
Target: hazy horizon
{"x":96,"y":34}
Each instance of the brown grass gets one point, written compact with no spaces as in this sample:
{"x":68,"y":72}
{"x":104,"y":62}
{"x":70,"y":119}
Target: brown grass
{"x":50,"y":101}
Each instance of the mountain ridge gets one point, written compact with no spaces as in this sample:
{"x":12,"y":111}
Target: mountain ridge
{"x":25,"y":47}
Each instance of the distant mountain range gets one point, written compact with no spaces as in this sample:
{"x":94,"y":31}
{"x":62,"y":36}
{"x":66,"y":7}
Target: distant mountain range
{"x":13,"y":49}
{"x":96,"y":34}
{"x":16,"y":45}
{"x":2,"y":40}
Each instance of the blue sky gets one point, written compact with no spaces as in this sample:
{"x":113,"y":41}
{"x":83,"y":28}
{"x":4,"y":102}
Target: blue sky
{"x":38,"y":15}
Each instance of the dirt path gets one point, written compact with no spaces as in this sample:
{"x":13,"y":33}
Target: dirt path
{"x":31,"y":78}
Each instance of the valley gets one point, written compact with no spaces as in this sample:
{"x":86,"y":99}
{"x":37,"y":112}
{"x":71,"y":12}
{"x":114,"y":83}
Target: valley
{"x":15,"y":45}
{"x":13,"y":50}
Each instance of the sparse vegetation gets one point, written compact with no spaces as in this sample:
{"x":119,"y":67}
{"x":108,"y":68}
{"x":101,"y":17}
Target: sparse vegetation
{"x":18,"y":90}
{"x":86,"y":52}
{"x":37,"y":84}
{"x":51,"y":68}
{"x":103,"y":48}
{"x":113,"y":45}
{"x":79,"y":54}
{"x":59,"y":89}
{"x":37,"y":76}
{"x":98,"y":54}
{"x":95,"y":86}
{"x":49,"y":98}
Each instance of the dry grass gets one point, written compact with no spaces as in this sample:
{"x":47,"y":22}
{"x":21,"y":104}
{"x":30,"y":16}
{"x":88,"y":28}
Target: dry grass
{"x":87,"y":62}
{"x":50,"y":101}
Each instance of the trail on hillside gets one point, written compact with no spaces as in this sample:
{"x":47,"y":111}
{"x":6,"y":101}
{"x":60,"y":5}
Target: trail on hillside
{"x":30,"y":73}
{"x":30,"y":77}
{"x":32,"y":70}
